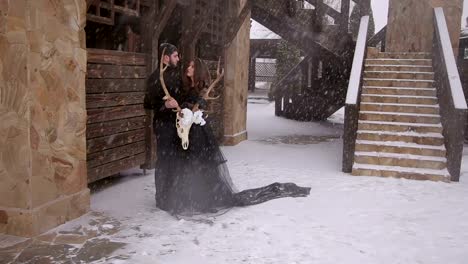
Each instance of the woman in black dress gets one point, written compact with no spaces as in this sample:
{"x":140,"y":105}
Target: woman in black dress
{"x":200,"y":181}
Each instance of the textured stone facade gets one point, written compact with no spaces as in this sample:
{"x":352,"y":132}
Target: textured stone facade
{"x":236,"y":81}
{"x":411,"y":27}
{"x":43,"y":179}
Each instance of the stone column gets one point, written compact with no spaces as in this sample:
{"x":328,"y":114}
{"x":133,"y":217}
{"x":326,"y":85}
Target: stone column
{"x":236,"y":79}
{"x":411,"y":24}
{"x":43,"y":181}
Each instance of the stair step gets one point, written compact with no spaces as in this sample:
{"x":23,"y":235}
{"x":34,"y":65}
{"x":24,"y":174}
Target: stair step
{"x":398,"y":82}
{"x":410,"y":68}
{"x":400,"y":147}
{"x":402,"y":55}
{"x":400,"y":108}
{"x":399,"y":91}
{"x":420,"y":62}
{"x":399,"y":127}
{"x":399,"y":75}
{"x":400,"y":99}
{"x":400,"y":172}
{"x":401,"y":160}
{"x":399,"y":117}
{"x":433,"y":139}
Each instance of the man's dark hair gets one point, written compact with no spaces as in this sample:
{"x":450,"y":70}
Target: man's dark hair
{"x":169,"y":49}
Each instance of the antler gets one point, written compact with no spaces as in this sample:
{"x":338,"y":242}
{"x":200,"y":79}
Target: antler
{"x":162,"y":69}
{"x":219,"y":76}
{"x":206,"y":94}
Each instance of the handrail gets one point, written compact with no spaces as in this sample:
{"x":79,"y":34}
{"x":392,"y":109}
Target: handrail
{"x":353,"y":97}
{"x":449,"y":59}
{"x":377,"y":38}
{"x":290,"y":73}
{"x":453,"y":108}
{"x":358,"y":63}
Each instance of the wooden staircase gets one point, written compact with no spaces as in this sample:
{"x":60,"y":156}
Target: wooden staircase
{"x":399,"y":129}
{"x":301,"y":29}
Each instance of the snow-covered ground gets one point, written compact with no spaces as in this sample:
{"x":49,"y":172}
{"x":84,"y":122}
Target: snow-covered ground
{"x":345,"y":219}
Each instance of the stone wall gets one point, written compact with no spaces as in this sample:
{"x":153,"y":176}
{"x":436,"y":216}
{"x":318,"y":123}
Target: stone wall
{"x":236,"y":80}
{"x":43,"y":179}
{"x":411,"y":27}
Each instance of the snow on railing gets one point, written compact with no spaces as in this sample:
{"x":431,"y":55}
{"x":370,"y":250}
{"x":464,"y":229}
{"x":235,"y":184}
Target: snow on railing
{"x":352,"y":97}
{"x":453,"y":109}
{"x":358,"y":63}
{"x":449,"y":59}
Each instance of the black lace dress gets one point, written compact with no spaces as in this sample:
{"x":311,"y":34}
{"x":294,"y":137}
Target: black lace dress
{"x":199,"y":179}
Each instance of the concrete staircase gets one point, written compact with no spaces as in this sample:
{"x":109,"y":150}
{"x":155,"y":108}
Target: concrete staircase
{"x":399,"y":131}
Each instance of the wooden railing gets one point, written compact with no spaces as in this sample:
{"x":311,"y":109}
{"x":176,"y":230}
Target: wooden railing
{"x":452,"y":102}
{"x":282,"y":87}
{"x":378,"y":38}
{"x":353,"y":97}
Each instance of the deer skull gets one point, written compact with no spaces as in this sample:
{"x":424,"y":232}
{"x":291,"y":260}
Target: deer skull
{"x":184,"y":121}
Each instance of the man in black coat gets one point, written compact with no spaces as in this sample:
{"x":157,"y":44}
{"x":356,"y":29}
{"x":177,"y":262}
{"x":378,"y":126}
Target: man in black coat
{"x":164,"y":120}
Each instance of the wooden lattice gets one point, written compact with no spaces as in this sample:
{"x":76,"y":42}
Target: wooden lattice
{"x":103,"y":11}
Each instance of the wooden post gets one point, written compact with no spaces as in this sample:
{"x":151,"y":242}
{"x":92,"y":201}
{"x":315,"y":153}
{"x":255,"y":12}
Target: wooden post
{"x":344,"y":23}
{"x":187,"y":44}
{"x":236,"y":80}
{"x":366,"y":4}
{"x":252,"y":73}
{"x":151,"y":49}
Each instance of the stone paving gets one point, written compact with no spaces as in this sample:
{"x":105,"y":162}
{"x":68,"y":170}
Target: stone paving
{"x":65,"y":244}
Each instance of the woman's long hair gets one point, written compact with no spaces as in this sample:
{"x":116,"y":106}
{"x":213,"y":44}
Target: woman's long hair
{"x":201,"y":77}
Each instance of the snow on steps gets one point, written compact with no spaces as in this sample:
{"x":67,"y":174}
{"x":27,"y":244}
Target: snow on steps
{"x":398,"y":126}
{"x":415,"y":62}
{"x":399,"y":159}
{"x":400,"y":172}
{"x":390,"y":67}
{"x":433,"y":139}
{"x":399,"y":131}
{"x":400,"y":147}
{"x":395,"y":82}
{"x":399,"y":75}
{"x":398,"y":99}
{"x":407,"y":108}
{"x":401,"y":55}
{"x":399,"y":91}
{"x":399,"y":117}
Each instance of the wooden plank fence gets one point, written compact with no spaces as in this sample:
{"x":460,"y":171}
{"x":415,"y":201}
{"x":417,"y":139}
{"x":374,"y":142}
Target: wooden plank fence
{"x":115,"y":135}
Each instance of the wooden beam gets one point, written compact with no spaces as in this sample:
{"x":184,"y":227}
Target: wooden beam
{"x":234,"y":24}
{"x":115,"y":85}
{"x":186,"y":45}
{"x":114,"y":127}
{"x":110,"y":155}
{"x":102,"y":71}
{"x":112,"y":141}
{"x":89,"y":3}
{"x":201,"y":24}
{"x":113,"y":57}
{"x":151,"y":43}
{"x":113,"y":113}
{"x":115,"y":167}
{"x":113,"y":99}
{"x":328,"y":10}
{"x":345,"y":4}
{"x":163,"y":16}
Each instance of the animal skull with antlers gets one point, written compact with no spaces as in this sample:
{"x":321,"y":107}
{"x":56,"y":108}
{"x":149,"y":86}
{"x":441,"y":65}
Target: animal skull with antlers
{"x":185,"y":118}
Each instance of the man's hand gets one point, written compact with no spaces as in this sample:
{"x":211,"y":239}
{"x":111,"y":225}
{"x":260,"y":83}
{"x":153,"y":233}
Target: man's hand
{"x":171,"y":103}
